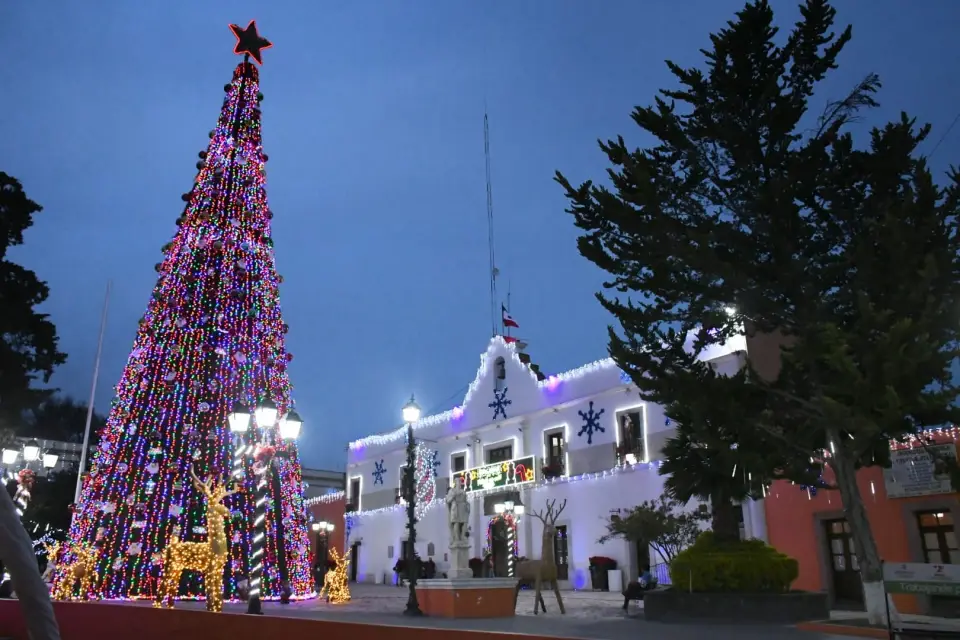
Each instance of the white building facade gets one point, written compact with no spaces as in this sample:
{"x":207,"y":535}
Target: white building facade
{"x":583,"y":436}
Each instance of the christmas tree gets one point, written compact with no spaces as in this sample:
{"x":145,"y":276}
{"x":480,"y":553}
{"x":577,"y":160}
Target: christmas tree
{"x":211,"y":340}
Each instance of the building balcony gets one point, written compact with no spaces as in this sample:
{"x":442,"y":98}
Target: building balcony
{"x":629,"y":452}
{"x":553,"y":469}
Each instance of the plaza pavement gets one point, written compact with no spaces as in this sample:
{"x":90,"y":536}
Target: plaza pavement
{"x":590,"y":615}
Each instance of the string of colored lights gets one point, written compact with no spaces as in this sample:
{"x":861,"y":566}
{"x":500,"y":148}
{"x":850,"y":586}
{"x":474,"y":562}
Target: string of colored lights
{"x":212,"y":336}
{"x":425,"y":481}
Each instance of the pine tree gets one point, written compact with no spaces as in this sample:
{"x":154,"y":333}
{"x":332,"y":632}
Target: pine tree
{"x":747,"y":212}
{"x":212,"y":337}
{"x":28,"y":340}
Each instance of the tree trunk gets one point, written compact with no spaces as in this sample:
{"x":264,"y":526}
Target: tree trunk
{"x":864,"y":544}
{"x":17,"y":554}
{"x":726,"y":528}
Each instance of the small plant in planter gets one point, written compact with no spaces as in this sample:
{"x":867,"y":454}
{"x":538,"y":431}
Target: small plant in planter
{"x":599,"y":565}
{"x":476,"y":565}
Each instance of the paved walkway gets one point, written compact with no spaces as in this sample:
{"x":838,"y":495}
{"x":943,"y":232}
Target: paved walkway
{"x":590,"y":616}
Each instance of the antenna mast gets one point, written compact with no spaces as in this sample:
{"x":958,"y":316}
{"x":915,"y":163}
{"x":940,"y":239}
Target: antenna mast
{"x":490,"y":240}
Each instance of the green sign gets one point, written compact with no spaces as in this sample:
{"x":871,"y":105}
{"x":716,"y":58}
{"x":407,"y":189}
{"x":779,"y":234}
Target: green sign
{"x":509,"y":473}
{"x":922,"y":579}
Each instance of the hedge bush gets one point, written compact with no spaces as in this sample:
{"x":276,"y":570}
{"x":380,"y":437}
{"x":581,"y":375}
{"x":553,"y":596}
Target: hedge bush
{"x":747,"y":566}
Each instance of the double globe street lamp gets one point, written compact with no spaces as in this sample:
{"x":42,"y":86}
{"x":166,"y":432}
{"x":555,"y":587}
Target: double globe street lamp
{"x":31,"y":453}
{"x":323,"y":529}
{"x":258,"y":447}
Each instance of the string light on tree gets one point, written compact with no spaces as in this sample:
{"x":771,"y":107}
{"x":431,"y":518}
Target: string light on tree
{"x":212,"y":338}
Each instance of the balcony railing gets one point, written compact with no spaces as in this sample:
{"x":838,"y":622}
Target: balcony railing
{"x":629,"y":451}
{"x":553,"y":469}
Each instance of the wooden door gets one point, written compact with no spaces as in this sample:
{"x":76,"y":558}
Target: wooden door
{"x":844,"y":569}
{"x":354,"y":556}
{"x":561,"y":553}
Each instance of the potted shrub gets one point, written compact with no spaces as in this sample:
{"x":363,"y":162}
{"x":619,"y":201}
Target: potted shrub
{"x":599,"y":565}
{"x":476,"y":565}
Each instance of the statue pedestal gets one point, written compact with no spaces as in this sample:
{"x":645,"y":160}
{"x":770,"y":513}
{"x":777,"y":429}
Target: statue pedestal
{"x":460,"y":561}
{"x":467,"y":598}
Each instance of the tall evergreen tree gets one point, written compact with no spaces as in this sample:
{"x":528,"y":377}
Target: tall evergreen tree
{"x":61,"y":418}
{"x":747,"y":204}
{"x":28,"y":340}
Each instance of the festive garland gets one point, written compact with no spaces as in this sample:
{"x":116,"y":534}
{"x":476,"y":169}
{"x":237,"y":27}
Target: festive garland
{"x":508,"y":520}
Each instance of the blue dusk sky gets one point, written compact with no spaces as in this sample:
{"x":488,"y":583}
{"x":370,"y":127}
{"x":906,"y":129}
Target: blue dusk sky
{"x":373,"y":120}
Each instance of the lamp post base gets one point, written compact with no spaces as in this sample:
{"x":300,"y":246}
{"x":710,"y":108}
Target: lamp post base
{"x":254,"y":607}
{"x":412,"y":611}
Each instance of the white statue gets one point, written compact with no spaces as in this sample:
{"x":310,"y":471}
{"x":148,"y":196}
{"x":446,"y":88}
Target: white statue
{"x":458,"y":510}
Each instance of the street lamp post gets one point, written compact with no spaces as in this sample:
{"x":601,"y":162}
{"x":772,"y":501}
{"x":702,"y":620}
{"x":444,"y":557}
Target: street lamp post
{"x":514,"y":511}
{"x":323,"y":529}
{"x":411,"y":414}
{"x":32,"y":453}
{"x":265,"y":414}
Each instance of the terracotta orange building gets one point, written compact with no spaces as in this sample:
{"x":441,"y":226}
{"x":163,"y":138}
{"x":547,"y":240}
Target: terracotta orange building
{"x":329,"y":508}
{"x":912,"y":512}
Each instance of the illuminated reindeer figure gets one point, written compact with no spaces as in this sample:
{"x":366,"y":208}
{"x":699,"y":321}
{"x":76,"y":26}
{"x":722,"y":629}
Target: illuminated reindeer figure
{"x":544,"y":569}
{"x":64,"y":576}
{"x":208,"y":558}
{"x":335,"y":580}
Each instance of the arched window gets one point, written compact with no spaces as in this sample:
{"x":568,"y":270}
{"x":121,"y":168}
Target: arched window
{"x":500,"y":373}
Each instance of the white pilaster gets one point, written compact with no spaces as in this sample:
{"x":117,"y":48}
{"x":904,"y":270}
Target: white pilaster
{"x":758,"y":520}
{"x":477,"y":531}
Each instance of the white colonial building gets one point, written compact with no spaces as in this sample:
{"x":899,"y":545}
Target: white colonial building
{"x":583,"y":436}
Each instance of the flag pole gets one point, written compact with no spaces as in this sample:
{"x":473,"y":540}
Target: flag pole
{"x":507,"y":329}
{"x":93,"y":395}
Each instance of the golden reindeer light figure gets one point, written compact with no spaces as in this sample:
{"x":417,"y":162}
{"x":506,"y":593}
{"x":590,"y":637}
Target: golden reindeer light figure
{"x":83,"y":570}
{"x":335,"y":580}
{"x":208,"y":558}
